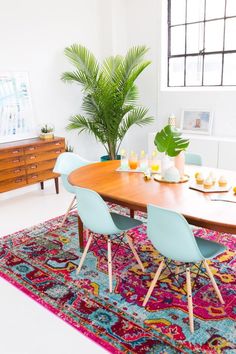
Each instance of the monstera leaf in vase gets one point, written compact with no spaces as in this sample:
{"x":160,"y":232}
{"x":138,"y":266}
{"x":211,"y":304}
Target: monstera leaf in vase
{"x":170,"y":142}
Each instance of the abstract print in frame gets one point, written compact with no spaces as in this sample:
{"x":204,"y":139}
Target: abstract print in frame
{"x":16,"y":113}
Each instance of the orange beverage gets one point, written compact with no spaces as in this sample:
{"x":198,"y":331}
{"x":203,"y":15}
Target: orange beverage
{"x":133,"y":164}
{"x":133,"y":161}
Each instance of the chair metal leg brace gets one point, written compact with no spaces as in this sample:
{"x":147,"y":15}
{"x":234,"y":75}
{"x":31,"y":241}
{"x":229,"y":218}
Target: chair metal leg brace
{"x":134,"y":252}
{"x":150,"y":290}
{"x":71,"y":206}
{"x":84,"y":254}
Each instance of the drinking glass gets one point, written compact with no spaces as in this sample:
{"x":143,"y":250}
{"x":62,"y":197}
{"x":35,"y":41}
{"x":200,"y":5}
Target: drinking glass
{"x":133,"y":161}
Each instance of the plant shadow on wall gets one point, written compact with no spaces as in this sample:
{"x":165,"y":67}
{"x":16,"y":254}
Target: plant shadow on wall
{"x":110,"y":94}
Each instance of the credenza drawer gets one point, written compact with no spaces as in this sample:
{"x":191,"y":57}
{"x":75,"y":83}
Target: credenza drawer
{"x":45,"y":156}
{"x":12,"y":162}
{"x":11,"y":153}
{"x":44,"y":147}
{"x":40,"y":176}
{"x":12,"y":173}
{"x":14,"y":183}
{"x":40,"y":166}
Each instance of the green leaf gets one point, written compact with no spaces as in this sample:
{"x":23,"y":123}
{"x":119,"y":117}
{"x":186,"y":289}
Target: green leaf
{"x":169,"y":141}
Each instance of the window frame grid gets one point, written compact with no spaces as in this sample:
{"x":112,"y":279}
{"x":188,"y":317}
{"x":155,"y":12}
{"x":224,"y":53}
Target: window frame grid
{"x":202,"y":52}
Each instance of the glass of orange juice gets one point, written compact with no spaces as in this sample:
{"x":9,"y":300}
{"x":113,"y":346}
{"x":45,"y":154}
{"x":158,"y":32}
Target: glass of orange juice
{"x":133,"y":161}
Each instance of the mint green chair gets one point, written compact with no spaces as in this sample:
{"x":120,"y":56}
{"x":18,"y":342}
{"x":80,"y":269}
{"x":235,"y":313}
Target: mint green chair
{"x":173,"y":238}
{"x":97,"y":218}
{"x":65,"y":164}
{"x":193,"y":159}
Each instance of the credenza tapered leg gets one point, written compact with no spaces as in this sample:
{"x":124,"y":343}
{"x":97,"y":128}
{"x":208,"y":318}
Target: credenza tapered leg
{"x":42,"y":185}
{"x":56,"y":185}
{"x":131,"y":213}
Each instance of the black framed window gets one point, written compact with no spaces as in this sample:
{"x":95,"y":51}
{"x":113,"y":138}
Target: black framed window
{"x":201,"y":43}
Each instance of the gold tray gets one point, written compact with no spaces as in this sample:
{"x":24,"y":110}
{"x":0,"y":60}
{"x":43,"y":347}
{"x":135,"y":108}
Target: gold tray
{"x":159,"y":178}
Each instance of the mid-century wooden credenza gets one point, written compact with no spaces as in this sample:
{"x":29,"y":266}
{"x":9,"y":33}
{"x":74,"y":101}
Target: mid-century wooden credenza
{"x":29,"y":161}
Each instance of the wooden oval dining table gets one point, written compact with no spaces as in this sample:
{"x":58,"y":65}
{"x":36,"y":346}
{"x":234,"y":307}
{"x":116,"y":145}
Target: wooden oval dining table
{"x":130,"y":189}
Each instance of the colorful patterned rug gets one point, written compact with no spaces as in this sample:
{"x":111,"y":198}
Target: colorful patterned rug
{"x":41,"y":261}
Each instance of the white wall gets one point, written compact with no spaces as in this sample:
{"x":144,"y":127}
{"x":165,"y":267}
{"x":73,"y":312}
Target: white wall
{"x":33,"y":35}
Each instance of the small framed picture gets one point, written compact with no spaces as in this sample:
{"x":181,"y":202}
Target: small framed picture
{"x":196,"y":121}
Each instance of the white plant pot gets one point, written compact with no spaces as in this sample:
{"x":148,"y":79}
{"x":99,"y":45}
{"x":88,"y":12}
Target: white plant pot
{"x":166,"y":163}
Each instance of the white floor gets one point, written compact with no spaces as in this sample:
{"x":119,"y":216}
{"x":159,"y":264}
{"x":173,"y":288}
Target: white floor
{"x":25,"y":326}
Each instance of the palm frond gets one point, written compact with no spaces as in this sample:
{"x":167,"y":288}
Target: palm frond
{"x":110,"y":66}
{"x":134,"y":57}
{"x":136,"y":116}
{"x":78,"y":77}
{"x":83,"y":60}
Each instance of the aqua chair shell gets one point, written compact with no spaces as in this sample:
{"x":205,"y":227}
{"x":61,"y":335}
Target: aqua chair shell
{"x":173,"y":238}
{"x":193,"y":159}
{"x":65,"y":164}
{"x":97,"y":218}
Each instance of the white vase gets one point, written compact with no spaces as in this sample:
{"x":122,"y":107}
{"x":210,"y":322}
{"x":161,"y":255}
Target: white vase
{"x":172,"y":174}
{"x":166,"y":163}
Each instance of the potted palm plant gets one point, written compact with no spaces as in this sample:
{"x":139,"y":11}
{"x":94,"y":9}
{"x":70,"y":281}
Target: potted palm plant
{"x":110,"y":95}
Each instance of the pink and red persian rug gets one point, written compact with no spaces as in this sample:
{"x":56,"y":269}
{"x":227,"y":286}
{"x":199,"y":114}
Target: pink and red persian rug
{"x":41,"y":262}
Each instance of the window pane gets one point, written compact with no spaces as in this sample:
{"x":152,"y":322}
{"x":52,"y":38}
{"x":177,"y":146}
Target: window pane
{"x":215,"y":8}
{"x":178,"y":40}
{"x":176,"y":72}
{"x":231,"y":8}
{"x":230,"y":31}
{"x":229,"y":69}
{"x":212,"y":69}
{"x":177,"y":12}
{"x":194,"y":38}
{"x":195,"y":10}
{"x":194,"y":71}
{"x":214,"y":36}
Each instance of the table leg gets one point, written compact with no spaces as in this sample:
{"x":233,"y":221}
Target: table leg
{"x":42,"y":185}
{"x":81,"y":233}
{"x":131,"y":213}
{"x":56,"y":185}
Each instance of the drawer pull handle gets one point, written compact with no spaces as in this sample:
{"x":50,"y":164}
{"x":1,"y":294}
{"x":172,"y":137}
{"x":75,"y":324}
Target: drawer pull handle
{"x":58,"y":151}
{"x":16,"y":171}
{"x":32,"y":157}
{"x":57,"y":143}
{"x":15,"y":161}
{"x":31,"y":148}
{"x":33,"y":166}
{"x":18,"y":180}
{"x":34,"y":176}
{"x":15,"y":151}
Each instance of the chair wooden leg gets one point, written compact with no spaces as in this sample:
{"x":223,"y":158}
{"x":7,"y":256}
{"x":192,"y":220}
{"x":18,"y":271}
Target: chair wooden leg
{"x":84,"y":254}
{"x":215,"y":286}
{"x":134,"y":252}
{"x":190,"y":300}
{"x":109,"y":263}
{"x":150,"y":290}
{"x":67,"y":212}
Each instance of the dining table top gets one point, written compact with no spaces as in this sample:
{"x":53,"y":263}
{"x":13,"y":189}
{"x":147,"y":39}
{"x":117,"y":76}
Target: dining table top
{"x":130,"y":189}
